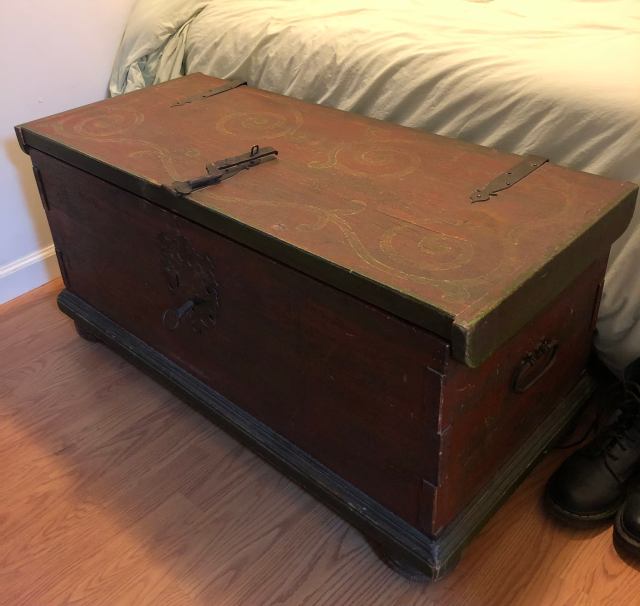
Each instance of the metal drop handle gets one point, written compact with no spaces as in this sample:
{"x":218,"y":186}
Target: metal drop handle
{"x":171,"y":317}
{"x":534,"y":365}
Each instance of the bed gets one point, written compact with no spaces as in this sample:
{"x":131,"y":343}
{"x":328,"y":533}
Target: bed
{"x":558,"y":78}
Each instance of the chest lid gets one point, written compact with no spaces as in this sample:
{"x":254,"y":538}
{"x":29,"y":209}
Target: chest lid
{"x":392,"y":215}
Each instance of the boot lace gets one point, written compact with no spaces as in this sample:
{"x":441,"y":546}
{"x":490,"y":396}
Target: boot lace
{"x":625,"y":430}
{"x":607,"y":438}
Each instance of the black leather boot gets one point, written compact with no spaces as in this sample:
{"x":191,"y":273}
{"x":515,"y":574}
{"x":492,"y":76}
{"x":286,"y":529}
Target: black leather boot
{"x":590,"y":485}
{"x":626,"y":530}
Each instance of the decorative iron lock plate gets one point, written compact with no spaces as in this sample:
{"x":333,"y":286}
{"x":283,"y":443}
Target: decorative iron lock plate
{"x":191,"y":280}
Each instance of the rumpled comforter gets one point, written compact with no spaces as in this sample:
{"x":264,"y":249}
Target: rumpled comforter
{"x":556,"y":78}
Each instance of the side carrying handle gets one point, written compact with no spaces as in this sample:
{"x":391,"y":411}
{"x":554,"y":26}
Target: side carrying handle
{"x":223,"y":169}
{"x":534,"y":365}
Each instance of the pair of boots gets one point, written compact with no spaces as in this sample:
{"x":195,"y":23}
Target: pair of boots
{"x":600,"y":481}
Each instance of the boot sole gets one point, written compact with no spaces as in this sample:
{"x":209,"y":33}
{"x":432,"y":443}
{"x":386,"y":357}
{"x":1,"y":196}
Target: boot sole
{"x":580,"y":520}
{"x":623,"y":540}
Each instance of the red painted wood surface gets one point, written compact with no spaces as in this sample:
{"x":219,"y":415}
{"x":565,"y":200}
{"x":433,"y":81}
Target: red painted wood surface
{"x":381,"y":201}
{"x":339,"y":378}
{"x":484,"y":421}
{"x":377,"y":400}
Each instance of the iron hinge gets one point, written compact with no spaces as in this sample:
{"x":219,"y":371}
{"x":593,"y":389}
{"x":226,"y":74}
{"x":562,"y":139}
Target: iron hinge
{"x":223,"y":169}
{"x":509,"y":178}
{"x":212,"y":92}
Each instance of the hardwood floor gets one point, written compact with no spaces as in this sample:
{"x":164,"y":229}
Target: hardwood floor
{"x":114,"y":492}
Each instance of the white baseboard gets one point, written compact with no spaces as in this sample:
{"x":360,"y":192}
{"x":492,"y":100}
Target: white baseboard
{"x":29,"y":272}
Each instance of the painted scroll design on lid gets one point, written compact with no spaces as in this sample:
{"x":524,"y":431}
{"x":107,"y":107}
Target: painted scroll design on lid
{"x":375,"y":158}
{"x":439,"y":253}
{"x":110,"y":125}
{"x":417,"y":243}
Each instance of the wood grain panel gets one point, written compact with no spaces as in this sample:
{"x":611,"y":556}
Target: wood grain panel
{"x":340,"y":378}
{"x":114,"y":492}
{"x":378,"y":209}
{"x":488,"y":418}
{"x":357,"y":389}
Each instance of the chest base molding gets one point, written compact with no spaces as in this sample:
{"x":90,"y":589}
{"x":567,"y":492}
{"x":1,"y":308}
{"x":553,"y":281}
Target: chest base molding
{"x":399,"y":544}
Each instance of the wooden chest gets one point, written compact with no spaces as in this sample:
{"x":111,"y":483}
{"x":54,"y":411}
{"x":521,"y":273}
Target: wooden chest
{"x":398,"y":321}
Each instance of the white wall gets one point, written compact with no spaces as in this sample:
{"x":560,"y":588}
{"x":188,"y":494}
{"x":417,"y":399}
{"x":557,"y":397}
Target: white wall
{"x":54,"y":55}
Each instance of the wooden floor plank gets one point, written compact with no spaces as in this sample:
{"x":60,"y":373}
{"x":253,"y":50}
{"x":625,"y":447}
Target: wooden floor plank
{"x":114,"y":492}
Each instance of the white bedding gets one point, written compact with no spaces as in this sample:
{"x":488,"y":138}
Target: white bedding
{"x":559,"y":78}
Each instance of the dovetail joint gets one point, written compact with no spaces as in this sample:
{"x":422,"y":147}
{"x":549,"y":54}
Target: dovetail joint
{"x":43,"y":195}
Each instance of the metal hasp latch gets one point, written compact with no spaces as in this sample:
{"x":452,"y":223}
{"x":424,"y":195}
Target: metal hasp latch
{"x":223,"y":169}
{"x":509,"y":178}
{"x":210,"y":93}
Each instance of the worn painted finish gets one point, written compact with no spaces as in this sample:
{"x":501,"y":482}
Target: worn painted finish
{"x":375,"y":399}
{"x":484,"y":419}
{"x":385,"y":204}
{"x":339,"y":378}
{"x":241,"y":295}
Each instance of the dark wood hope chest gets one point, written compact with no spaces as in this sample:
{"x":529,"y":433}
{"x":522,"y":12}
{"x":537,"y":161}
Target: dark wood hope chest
{"x":399,"y":321}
